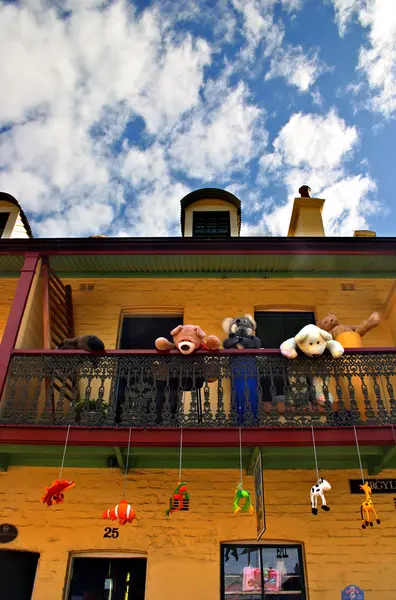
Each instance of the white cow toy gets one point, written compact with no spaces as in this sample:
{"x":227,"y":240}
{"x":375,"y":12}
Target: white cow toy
{"x":317,"y":491}
{"x":313,"y":341}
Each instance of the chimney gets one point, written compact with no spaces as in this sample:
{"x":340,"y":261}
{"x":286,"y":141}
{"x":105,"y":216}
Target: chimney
{"x":306,"y":219}
{"x":364,"y":233}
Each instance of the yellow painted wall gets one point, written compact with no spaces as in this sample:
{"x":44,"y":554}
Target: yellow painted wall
{"x":390,"y":312}
{"x":7,"y":292}
{"x":184,"y":551}
{"x":31,"y":331}
{"x":206,"y":302}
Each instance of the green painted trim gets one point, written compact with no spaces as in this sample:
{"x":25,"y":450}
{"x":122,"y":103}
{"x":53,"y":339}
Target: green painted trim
{"x":120,"y":458}
{"x":227,"y":275}
{"x":374,"y":458}
{"x":253,"y":456}
{"x":10,"y":274}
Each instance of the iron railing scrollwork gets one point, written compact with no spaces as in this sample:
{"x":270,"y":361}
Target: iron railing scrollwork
{"x":224,"y":389}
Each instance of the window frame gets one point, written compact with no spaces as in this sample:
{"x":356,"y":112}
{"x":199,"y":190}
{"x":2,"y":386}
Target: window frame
{"x":214,"y":213}
{"x":258,"y":546}
{"x":7,"y":215}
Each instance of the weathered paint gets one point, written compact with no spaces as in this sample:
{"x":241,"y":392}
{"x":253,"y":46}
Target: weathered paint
{"x":183,"y":551}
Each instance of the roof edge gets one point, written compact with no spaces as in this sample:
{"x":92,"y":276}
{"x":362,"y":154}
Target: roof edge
{"x":8,"y":198}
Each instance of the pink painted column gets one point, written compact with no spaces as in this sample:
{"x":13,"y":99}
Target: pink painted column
{"x":16,"y":314}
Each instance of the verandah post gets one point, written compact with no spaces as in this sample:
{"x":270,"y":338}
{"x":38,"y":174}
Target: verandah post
{"x":16,"y":314}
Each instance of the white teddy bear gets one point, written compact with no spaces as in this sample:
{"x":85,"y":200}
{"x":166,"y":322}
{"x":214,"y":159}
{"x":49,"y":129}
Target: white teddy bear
{"x":313,"y":341}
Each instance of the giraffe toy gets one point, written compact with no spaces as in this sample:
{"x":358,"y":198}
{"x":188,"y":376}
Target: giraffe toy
{"x":367,"y":507}
{"x":317,"y":491}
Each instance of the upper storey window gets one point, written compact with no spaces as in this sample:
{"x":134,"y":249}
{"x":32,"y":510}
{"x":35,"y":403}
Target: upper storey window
{"x":211,"y":223}
{"x":3,"y":222}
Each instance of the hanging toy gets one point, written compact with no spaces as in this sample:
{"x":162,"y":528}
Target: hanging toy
{"x":321,"y":485}
{"x":242,"y":495}
{"x":317,"y":491}
{"x":54,"y":493}
{"x":122,"y":511}
{"x":179,"y":499}
{"x":367,"y":507}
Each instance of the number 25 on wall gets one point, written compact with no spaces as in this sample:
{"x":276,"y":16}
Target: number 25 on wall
{"x":111,"y":532}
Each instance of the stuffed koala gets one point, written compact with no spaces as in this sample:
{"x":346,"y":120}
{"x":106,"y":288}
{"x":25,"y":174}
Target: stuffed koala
{"x":313,"y":341}
{"x":187,"y":339}
{"x":331,"y":324}
{"x":240,"y":333}
{"x":91,"y":343}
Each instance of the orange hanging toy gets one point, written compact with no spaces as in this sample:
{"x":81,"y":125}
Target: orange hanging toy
{"x":54,"y":493}
{"x":367,"y":507}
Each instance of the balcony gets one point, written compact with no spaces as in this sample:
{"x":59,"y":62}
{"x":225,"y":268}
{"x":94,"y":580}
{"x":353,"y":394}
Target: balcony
{"x":226,"y":390}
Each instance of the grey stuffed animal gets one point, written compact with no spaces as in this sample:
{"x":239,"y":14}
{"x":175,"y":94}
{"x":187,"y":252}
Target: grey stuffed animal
{"x":240,"y":333}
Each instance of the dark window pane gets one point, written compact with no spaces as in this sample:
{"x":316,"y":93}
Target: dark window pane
{"x":17,"y":573}
{"x":3,"y":221}
{"x":108,"y":579}
{"x":211,"y":224}
{"x":273,"y":328}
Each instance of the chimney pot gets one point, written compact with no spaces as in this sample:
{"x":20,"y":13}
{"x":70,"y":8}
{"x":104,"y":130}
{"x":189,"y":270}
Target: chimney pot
{"x":305,"y":191}
{"x":364,"y":233}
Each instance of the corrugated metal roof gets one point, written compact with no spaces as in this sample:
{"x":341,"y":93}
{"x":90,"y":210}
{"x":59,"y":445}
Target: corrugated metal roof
{"x":10,"y":264}
{"x":223,"y":264}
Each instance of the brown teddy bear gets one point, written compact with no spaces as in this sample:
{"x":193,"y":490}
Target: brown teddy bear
{"x":90,"y":343}
{"x":187,"y":339}
{"x":331,"y":324}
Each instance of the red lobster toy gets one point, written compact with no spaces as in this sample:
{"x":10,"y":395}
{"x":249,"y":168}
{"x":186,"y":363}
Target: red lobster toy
{"x":54,"y":493}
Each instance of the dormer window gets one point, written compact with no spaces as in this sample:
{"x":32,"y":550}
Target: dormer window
{"x":3,"y":222}
{"x":214,"y":223}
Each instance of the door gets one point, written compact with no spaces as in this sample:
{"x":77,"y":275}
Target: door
{"x":274,"y":328}
{"x":17,"y":573}
{"x":140,"y":333}
{"x":107,"y":579}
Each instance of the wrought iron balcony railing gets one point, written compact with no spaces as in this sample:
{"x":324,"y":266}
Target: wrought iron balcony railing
{"x":224,"y":389}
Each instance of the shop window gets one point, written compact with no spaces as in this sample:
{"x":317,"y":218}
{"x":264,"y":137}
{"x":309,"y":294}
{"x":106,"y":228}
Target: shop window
{"x":3,"y":222}
{"x":107,"y":579}
{"x":255,"y":572}
{"x":212,"y":223}
{"x":17,"y":574}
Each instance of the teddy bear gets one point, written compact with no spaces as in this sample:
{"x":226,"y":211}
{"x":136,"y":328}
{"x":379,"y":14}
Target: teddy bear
{"x":312,"y":341}
{"x":240,"y":333}
{"x":331,"y":324}
{"x":187,"y":339}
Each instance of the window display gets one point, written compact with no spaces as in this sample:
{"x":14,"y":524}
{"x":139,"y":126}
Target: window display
{"x":256,"y":572}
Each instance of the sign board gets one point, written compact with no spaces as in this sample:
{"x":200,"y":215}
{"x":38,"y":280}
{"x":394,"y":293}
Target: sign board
{"x":378,"y":486}
{"x":259,"y":490}
{"x":352,"y":592}
{"x":8,"y":533}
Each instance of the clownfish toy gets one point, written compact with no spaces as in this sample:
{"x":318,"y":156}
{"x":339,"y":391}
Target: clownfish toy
{"x":122,"y":511}
{"x":54,"y":493}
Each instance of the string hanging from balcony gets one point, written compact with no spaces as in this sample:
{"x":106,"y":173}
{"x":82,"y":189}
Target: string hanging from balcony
{"x":122,"y":511}
{"x":180,"y":498}
{"x":242,"y":495}
{"x":54,"y":494}
{"x":367,"y":507}
{"x":321,"y":486}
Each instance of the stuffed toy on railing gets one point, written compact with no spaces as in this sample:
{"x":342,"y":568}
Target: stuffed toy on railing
{"x":332,"y":324}
{"x":240,"y":333}
{"x":90,"y":343}
{"x":313,"y":342}
{"x":187,"y":339}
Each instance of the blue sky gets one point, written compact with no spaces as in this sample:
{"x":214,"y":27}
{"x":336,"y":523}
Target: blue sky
{"x":115,"y":110}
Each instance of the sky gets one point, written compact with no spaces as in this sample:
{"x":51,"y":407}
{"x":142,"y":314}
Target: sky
{"x":112,"y":111}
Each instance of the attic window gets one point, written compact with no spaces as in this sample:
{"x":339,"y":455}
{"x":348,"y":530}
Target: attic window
{"x":348,"y":287}
{"x":214,"y":223}
{"x":87,"y":287}
{"x":3,"y":222}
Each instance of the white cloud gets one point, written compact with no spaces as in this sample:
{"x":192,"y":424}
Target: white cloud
{"x":222,"y":141}
{"x":377,"y":58}
{"x":297,"y":67}
{"x":66,"y":77}
{"x":313,"y":150}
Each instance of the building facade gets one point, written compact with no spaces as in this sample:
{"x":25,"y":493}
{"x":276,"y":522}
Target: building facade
{"x":205,"y":418}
